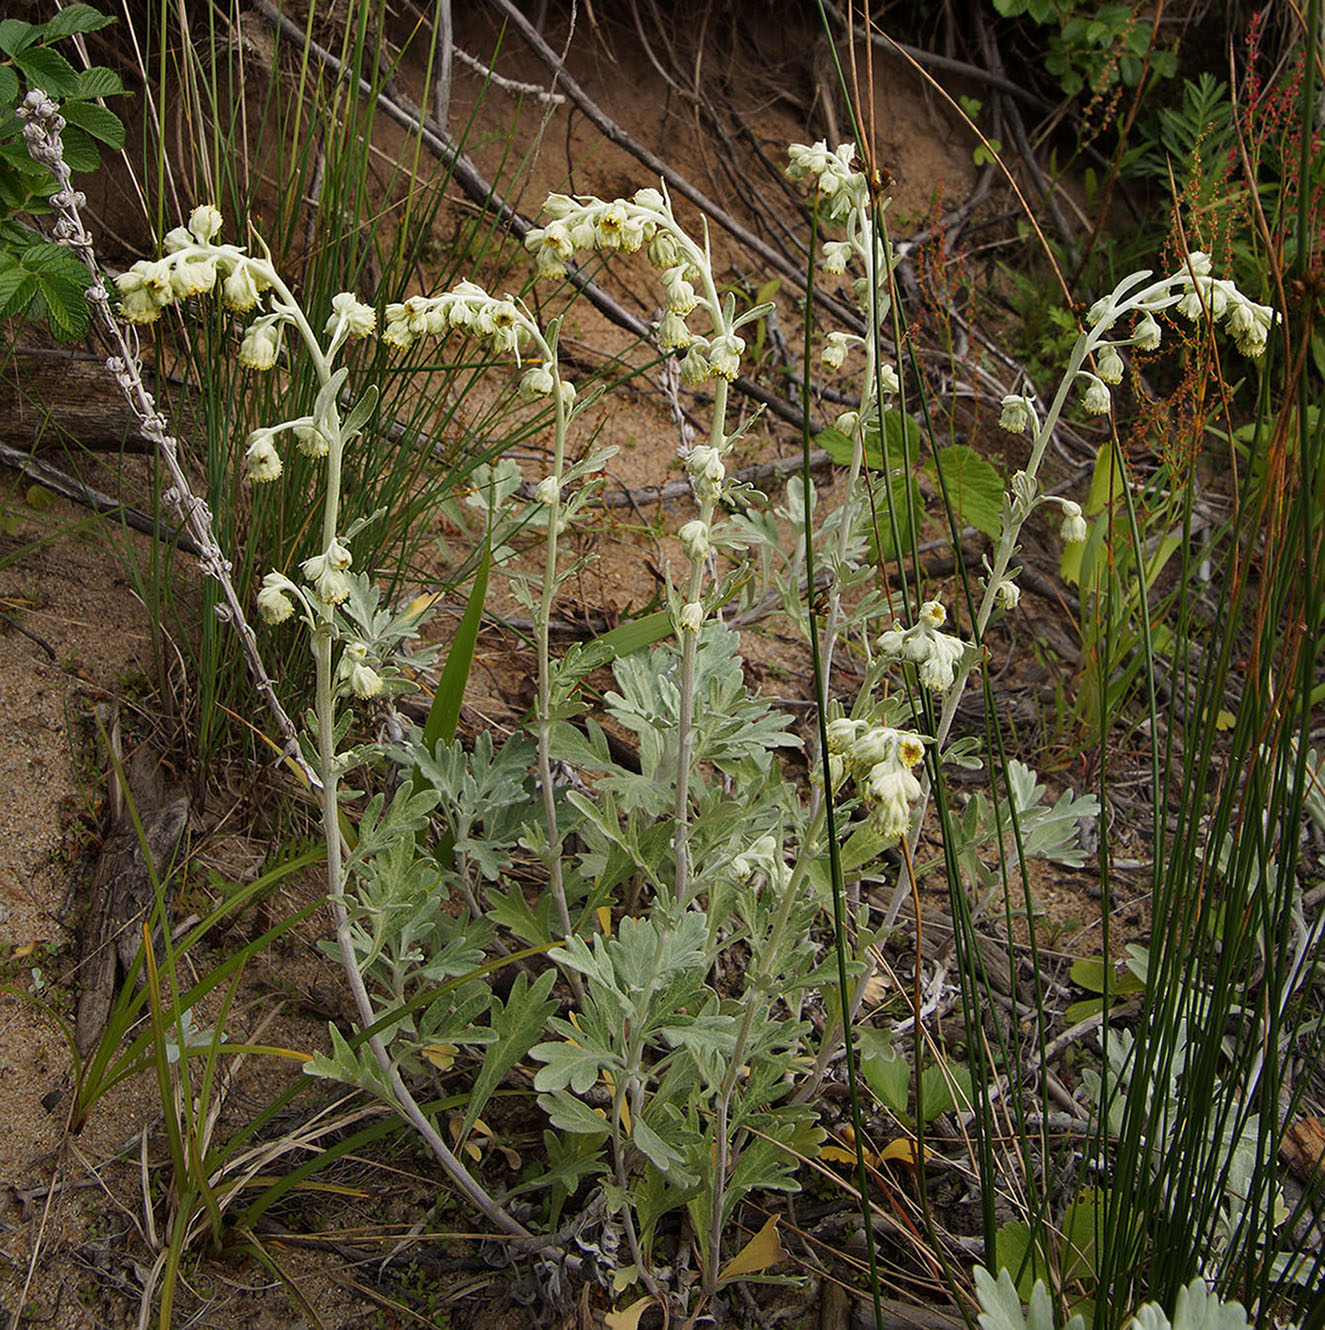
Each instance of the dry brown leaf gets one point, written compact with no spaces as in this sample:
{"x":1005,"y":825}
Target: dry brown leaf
{"x":1303,"y":1148}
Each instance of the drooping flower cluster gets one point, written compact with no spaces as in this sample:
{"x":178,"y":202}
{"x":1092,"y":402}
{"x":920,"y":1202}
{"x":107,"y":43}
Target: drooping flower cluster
{"x":844,"y":196}
{"x":878,"y":760}
{"x":842,"y":189}
{"x":192,"y":265}
{"x":1196,"y":293}
{"x":502,"y":322}
{"x":935,"y":654}
{"x":645,"y":221}
{"x":467,"y":307}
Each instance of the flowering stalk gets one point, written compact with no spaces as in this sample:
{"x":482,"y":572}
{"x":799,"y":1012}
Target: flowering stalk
{"x":844,"y":197}
{"x":193,"y":264}
{"x":509,"y":326}
{"x":944,"y":662}
{"x":645,"y":221}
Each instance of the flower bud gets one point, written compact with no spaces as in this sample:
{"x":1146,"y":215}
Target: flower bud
{"x":695,"y":368}
{"x":888,"y":380}
{"x":310,"y":441}
{"x":347,"y":310}
{"x":870,"y":749}
{"x":241,"y":289}
{"x":910,"y":748}
{"x":1096,"y":400}
{"x":1017,"y":414}
{"x":680,"y":294}
{"x":274,"y":606}
{"x":538,"y":381}
{"x":194,"y":276}
{"x":933,"y":614}
{"x":138,"y":304}
{"x":1109,"y":365}
{"x":1146,"y":334}
{"x":548,"y":491}
{"x":837,"y":254}
{"x":330,"y":585}
{"x":651,"y":199}
{"x":1007,"y":594}
{"x":1190,"y":306}
{"x":673,"y":335}
{"x":691,"y":617}
{"x":939,"y":668}
{"x":694,"y":537}
{"x":365,"y":681}
{"x":835,"y":350}
{"x":842,"y":733}
{"x":205,"y":223}
{"x":664,"y":251}
{"x":262,"y":462}
{"x":1074,"y":529}
{"x":725,"y":355}
{"x":260,"y":346}
{"x":559,"y":206}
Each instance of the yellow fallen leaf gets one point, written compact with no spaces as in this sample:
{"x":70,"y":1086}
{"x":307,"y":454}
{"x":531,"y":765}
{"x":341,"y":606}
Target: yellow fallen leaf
{"x":762,"y":1251}
{"x":421,"y":604}
{"x":628,"y":1317}
{"x":442,"y":1056}
{"x":903,"y":1149}
{"x":605,"y":919}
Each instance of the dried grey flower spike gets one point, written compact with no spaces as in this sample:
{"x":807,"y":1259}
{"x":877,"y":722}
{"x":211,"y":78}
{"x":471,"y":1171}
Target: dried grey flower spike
{"x":42,"y":124}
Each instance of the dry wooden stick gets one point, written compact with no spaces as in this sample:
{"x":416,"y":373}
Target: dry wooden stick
{"x":70,"y":488}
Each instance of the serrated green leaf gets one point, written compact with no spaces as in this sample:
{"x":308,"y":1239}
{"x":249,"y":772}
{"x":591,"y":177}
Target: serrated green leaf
{"x":9,"y":86}
{"x":100,"y":123}
{"x":81,"y":154}
{"x":15,"y":35}
{"x":973,"y":486}
{"x":47,"y":69}
{"x":47,"y":258}
{"x":98,"y":82}
{"x":74,"y":19}
{"x":17,"y":287}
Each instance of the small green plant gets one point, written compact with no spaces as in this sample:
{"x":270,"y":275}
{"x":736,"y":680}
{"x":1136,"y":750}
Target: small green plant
{"x":1095,"y":47}
{"x":40,"y":280}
